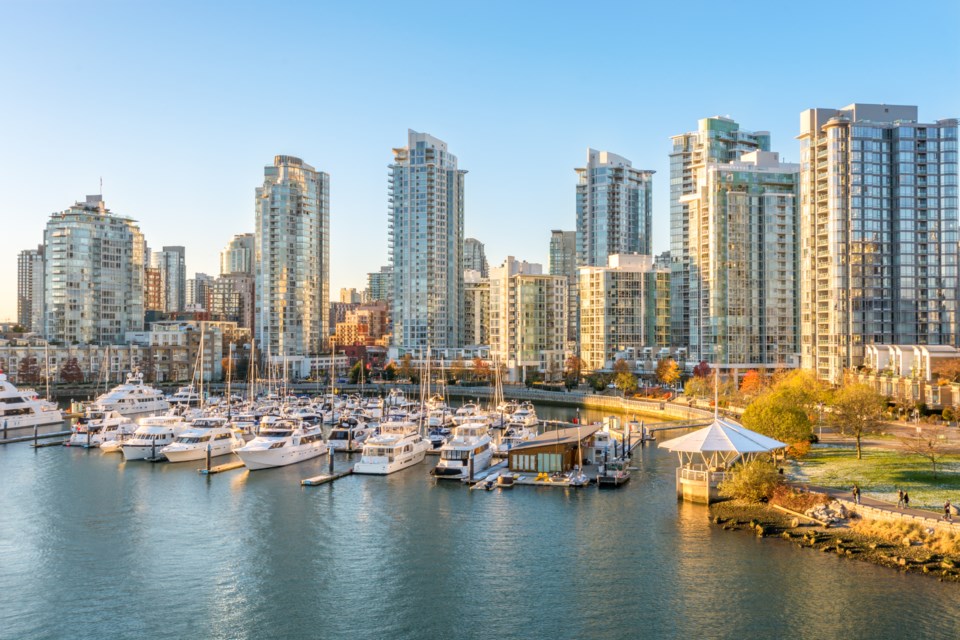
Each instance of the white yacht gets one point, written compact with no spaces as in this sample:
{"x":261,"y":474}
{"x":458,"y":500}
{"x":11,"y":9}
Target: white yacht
{"x":469,"y":440}
{"x":467,"y":411}
{"x":153,"y":434}
{"x":192,"y":443}
{"x":515,"y":435}
{"x":282,"y":442}
{"x":133,"y":398}
{"x":349,"y":432}
{"x":114,"y":435}
{"x":185,"y":397}
{"x":524,"y":416}
{"x":24,"y":408}
{"x":92,"y":428}
{"x":440,"y":416}
{"x":398,"y":445}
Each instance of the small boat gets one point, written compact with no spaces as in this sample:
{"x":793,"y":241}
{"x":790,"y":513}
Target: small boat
{"x":577,"y":478}
{"x":613,"y":474}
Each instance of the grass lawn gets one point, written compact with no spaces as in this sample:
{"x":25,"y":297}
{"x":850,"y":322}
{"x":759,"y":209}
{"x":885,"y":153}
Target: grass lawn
{"x":881,"y":473}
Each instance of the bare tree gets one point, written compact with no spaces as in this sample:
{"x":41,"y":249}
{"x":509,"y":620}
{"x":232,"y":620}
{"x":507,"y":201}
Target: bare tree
{"x":858,"y":411}
{"x":930,"y":443}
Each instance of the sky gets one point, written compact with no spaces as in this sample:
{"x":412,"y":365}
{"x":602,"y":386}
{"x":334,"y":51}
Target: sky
{"x":178,"y":106}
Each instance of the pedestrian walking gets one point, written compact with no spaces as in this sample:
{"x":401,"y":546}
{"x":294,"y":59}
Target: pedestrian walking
{"x":906,"y":500}
{"x":900,"y":498}
{"x":947,"y":512}
{"x":856,"y":493}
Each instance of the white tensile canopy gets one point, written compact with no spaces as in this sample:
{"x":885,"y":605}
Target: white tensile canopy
{"x":720,"y":444}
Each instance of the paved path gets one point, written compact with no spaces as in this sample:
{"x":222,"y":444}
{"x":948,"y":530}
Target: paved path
{"x":845,"y":496}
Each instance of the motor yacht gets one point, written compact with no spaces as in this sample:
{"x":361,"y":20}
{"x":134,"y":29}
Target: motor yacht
{"x":24,"y":408}
{"x":350,"y":433}
{"x":133,"y":398}
{"x":282,"y":442}
{"x":465,"y":412}
{"x":468,"y":441}
{"x":398,"y":445}
{"x":153,"y":434}
{"x":92,"y":427}
{"x":192,"y":443}
{"x":515,"y":435}
{"x":524,"y":416}
{"x":185,"y":397}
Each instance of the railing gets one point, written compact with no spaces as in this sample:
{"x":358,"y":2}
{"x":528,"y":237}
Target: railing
{"x":702,"y":475}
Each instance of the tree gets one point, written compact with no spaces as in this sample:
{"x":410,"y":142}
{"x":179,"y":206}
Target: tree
{"x":755,"y":481}
{"x":626,"y":382}
{"x":572,"y":370}
{"x":71,"y":372}
{"x":598,"y":381}
{"x":752,"y":384}
{"x":702,"y":370}
{"x":406,"y":370}
{"x":481,"y":370}
{"x":621,"y":366}
{"x":458,"y":369}
{"x":390,"y":371}
{"x":355,"y":372}
{"x":775,"y":414}
{"x":857,"y":410}
{"x":930,"y":443}
{"x":803,"y":390}
{"x":668,"y":371}
{"x":948,"y":369}
{"x":28,"y":371}
{"x":698,"y":387}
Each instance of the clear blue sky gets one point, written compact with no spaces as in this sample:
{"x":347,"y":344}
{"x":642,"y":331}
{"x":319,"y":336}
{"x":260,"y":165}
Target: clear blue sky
{"x":179,"y":105}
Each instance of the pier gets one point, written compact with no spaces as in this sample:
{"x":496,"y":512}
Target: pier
{"x":37,"y":436}
{"x":324,"y":478}
{"x":220,"y":468}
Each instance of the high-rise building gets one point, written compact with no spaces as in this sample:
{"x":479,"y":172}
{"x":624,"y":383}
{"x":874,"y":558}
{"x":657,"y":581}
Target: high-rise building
{"x":474,"y":257}
{"x":617,"y":308}
{"x":199,"y":288}
{"x":153,"y":294}
{"x":878,"y":192}
{"x":231,"y":298}
{"x":563,"y":262}
{"x":30,"y":289}
{"x":238,"y":255}
{"x":476,"y":308}
{"x":716,"y":139}
{"x":93,"y":279}
{"x":528,"y":323}
{"x":292,"y":258}
{"x":614,"y":208}
{"x":426,"y":245}
{"x":662,"y":336}
{"x":742,"y":248}
{"x":172,"y":264}
{"x":380,"y":285}
{"x":350,"y":296}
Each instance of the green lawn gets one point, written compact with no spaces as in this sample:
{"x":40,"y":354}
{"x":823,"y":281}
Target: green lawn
{"x":881,"y":473}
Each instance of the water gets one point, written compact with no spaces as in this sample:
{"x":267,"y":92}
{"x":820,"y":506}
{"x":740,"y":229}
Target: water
{"x":91,"y":547}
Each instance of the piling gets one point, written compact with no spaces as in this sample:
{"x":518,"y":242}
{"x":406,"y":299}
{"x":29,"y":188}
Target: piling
{"x":208,"y":457}
{"x":4,"y":428}
{"x":471,"y":466}
{"x":34,"y":435}
{"x":153,"y":449}
{"x":88,"y":438}
{"x":330,"y":461}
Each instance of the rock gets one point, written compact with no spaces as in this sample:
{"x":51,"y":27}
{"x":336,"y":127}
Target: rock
{"x":906,"y":542}
{"x":795,"y":523}
{"x":872,"y":546}
{"x":719,"y":520}
{"x":902,"y":561}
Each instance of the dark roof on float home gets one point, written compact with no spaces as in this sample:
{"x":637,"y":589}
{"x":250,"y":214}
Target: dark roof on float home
{"x":567,"y":435}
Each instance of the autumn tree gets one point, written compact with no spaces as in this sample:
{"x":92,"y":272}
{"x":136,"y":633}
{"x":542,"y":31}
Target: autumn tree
{"x":390,"y":371}
{"x":668,"y":371}
{"x":621,"y":366}
{"x":458,"y":369}
{"x":28,"y":371}
{"x":698,"y":387}
{"x":752,"y":384}
{"x":857,"y":410}
{"x":947,"y":369}
{"x":481,"y":370}
{"x":71,"y":372}
{"x":406,"y":370}
{"x":626,"y":382}
{"x":930,"y":443}
{"x":777,"y":415}
{"x":702,"y":370}
{"x":572,"y":370}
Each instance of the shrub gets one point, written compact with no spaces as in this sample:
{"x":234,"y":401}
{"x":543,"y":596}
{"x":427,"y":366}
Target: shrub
{"x":797,"y":500}
{"x":754,"y":481}
{"x":798,"y":449}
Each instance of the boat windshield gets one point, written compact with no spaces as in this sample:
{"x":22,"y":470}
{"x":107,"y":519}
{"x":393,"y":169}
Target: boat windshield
{"x":192,"y":440}
{"x":340,"y":434}
{"x":275,"y":434}
{"x":454,"y":454}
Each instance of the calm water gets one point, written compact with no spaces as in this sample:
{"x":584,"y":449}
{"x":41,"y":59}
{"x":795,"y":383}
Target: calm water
{"x":91,"y":547}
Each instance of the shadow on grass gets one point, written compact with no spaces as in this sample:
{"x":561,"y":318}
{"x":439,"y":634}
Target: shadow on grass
{"x":926,"y":476}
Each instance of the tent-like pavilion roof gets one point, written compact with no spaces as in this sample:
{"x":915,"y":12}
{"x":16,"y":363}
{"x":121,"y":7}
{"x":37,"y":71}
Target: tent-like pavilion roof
{"x":722,"y":436}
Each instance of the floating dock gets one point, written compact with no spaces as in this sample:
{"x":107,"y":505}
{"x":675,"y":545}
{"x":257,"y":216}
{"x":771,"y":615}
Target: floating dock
{"x":39,"y":436}
{"x":220,"y":468}
{"x":41,"y":445}
{"x":324,"y":478}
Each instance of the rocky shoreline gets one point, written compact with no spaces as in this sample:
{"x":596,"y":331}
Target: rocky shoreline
{"x":765,"y":521}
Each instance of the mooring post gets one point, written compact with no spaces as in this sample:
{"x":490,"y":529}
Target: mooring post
{"x":471,"y":466}
{"x":34,"y":436}
{"x":153,"y":449}
{"x":88,"y":438}
{"x":330,"y":460}
{"x":209,"y":452}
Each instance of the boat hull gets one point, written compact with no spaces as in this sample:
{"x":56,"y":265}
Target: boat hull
{"x":256,"y":459}
{"x":386,"y":468}
{"x":197,"y":453}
